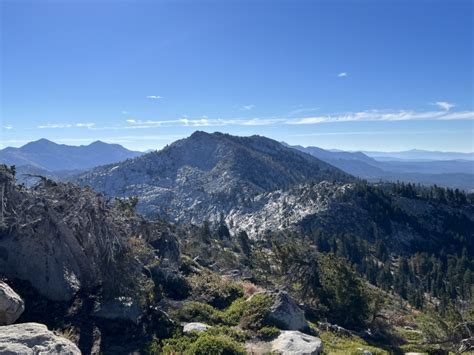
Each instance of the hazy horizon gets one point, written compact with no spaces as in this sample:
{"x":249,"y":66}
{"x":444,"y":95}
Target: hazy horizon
{"x":125,"y":145}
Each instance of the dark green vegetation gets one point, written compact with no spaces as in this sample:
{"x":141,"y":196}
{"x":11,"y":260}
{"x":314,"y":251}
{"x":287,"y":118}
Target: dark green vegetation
{"x":324,"y":281}
{"x":438,"y":264}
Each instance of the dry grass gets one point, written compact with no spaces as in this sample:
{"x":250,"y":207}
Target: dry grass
{"x":250,"y":288}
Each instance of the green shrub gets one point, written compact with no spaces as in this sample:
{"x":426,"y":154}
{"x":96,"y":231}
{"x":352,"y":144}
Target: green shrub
{"x":236,"y":334}
{"x":215,"y":290}
{"x":251,"y":314}
{"x":188,"y":266}
{"x":268,"y":333}
{"x":215,"y":345}
{"x":232,"y":315}
{"x":199,"y":312}
{"x":179,"y":345}
{"x":325,"y":280}
{"x":337,"y":344}
{"x":153,"y":347}
{"x":201,"y":343}
{"x":172,"y":284}
{"x":255,"y":311}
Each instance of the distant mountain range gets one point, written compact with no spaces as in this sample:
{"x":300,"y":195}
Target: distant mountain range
{"x":448,"y":173}
{"x":417,"y":154}
{"x":60,"y":161}
{"x":49,"y":156}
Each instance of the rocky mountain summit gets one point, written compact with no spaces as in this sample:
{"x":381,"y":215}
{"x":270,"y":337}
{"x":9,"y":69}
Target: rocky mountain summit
{"x":202,"y":176}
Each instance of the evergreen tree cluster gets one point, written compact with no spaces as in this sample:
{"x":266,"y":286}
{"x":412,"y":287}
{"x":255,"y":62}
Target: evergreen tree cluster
{"x":418,"y":277}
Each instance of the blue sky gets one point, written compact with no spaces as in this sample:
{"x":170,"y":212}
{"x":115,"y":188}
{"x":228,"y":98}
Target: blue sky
{"x":356,"y":75}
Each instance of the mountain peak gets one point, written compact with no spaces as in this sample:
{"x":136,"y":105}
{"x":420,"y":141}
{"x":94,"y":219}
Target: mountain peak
{"x":39,"y":145}
{"x":215,"y":168}
{"x":202,"y":135}
{"x":41,"y":141}
{"x":98,"y":143}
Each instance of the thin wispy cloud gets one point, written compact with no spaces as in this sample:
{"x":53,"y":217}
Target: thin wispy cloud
{"x":342,"y":74}
{"x":461,"y":115}
{"x":125,"y":112}
{"x":55,"y":125}
{"x":248,"y":107}
{"x":8,"y":127}
{"x":444,"y":105}
{"x":302,"y":110}
{"x":134,"y":123}
{"x":259,"y":121}
{"x":377,"y":115}
{"x":66,"y":125}
{"x":154,"y":97}
{"x":85,"y":125}
{"x":201,"y":122}
{"x":204,"y":121}
{"x":362,"y":116}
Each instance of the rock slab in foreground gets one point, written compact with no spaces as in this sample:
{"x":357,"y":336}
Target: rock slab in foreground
{"x":32,"y":339}
{"x":294,"y":342}
{"x":11,"y":305}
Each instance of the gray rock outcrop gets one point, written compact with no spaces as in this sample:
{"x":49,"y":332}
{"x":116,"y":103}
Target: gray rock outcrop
{"x":11,"y":305}
{"x":194,"y":327}
{"x":294,"y":342}
{"x":286,"y":313}
{"x":33,"y":339}
{"x":62,"y":239}
{"x":121,"y":308}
